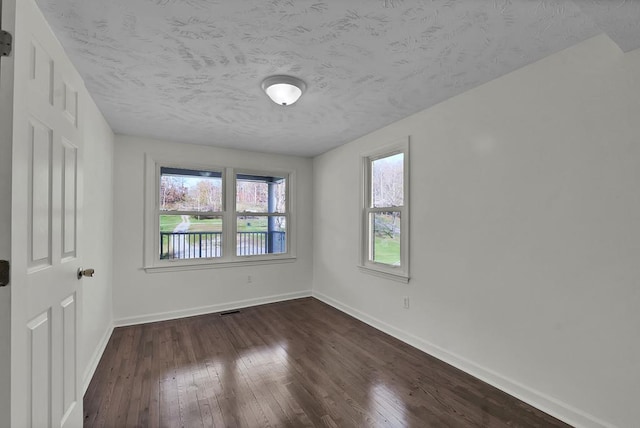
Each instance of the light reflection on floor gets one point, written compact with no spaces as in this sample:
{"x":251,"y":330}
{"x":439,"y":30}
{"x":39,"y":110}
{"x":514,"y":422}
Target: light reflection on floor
{"x":232,"y":384}
{"x":382,"y":398}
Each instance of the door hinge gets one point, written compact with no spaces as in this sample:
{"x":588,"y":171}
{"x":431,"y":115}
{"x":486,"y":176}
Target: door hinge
{"x":5,"y":43}
{"x":4,"y":273}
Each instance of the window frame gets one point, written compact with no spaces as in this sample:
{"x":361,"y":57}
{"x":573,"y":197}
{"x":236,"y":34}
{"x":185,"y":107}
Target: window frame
{"x":366,"y":265}
{"x":220,"y":214}
{"x":235,"y":213}
{"x":153,"y":262}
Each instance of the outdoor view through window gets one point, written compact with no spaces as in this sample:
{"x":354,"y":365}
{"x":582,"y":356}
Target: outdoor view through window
{"x":192,"y":214}
{"x":261,"y":214}
{"x":386,"y":200}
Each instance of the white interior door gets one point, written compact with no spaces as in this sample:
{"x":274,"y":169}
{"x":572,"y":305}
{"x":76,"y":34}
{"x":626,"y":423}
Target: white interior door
{"x":45,"y":292}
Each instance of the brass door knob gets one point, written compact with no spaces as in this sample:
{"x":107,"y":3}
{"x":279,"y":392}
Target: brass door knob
{"x":85,"y":272}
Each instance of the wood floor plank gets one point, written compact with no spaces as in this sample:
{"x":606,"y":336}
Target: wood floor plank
{"x":296,"y":364}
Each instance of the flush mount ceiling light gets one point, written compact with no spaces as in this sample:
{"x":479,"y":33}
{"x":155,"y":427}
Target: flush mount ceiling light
{"x":283,"y":90}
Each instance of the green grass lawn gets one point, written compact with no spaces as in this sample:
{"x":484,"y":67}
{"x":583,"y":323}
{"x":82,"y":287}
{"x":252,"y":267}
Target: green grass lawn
{"x":169,"y":222}
{"x":206,"y":225}
{"x":255,"y":224}
{"x":387,"y":250}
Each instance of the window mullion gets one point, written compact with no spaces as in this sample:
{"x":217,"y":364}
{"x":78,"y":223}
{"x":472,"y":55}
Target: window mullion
{"x":192,"y":213}
{"x":384,"y":209}
{"x":228,"y":219}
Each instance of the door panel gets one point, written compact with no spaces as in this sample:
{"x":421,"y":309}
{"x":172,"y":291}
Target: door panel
{"x":69,"y":368}
{"x":41,"y":66}
{"x":39,"y":355}
{"x":69,"y":199}
{"x":41,"y":187}
{"x":70,"y":104}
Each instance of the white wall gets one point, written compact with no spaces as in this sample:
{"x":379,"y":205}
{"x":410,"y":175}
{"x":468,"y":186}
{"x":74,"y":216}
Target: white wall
{"x":140,"y":296}
{"x":97,"y":239}
{"x":525,"y":234}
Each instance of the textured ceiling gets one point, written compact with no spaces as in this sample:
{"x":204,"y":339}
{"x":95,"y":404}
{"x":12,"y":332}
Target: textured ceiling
{"x":190,"y":70}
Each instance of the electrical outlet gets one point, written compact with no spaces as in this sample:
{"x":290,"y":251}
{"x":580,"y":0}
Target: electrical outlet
{"x":249,"y":279}
{"x":406,"y":302}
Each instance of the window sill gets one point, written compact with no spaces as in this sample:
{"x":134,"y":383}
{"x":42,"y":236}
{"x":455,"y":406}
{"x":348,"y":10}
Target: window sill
{"x":182,"y":266}
{"x":398,"y":277}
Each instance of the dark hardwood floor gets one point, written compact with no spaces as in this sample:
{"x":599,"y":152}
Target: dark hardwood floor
{"x":299,"y":363}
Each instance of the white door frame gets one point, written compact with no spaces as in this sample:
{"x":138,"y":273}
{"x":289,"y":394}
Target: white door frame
{"x":7,"y":23}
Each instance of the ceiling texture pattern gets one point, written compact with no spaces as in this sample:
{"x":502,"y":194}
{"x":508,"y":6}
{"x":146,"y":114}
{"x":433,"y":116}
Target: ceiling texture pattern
{"x":190,"y":70}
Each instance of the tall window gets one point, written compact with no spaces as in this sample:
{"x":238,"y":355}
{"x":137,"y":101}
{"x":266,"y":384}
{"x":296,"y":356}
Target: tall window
{"x":385,"y":223}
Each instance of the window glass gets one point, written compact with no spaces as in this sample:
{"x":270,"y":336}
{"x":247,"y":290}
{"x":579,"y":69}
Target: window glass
{"x":260,"y":194}
{"x":385,"y":245}
{"x":190,"y":236}
{"x":183,"y":233}
{"x":259,"y":227}
{"x":387,"y":187}
{"x":261,"y":235}
{"x":190,"y":190}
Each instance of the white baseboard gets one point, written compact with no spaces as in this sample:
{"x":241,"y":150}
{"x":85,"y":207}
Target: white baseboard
{"x":95,"y":359}
{"x":164,"y":316}
{"x":535,"y":398}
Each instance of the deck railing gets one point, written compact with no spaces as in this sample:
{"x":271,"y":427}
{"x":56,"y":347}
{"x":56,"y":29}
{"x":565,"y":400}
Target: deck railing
{"x":195,"y":245}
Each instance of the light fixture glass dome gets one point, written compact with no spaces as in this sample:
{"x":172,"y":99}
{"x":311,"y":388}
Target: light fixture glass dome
{"x":283,"y":90}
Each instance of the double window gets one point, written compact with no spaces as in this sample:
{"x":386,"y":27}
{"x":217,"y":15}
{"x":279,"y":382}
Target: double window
{"x":385,"y":212}
{"x":209,"y":216}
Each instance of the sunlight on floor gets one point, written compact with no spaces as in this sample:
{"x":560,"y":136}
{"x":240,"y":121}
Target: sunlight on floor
{"x":382,"y":398}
